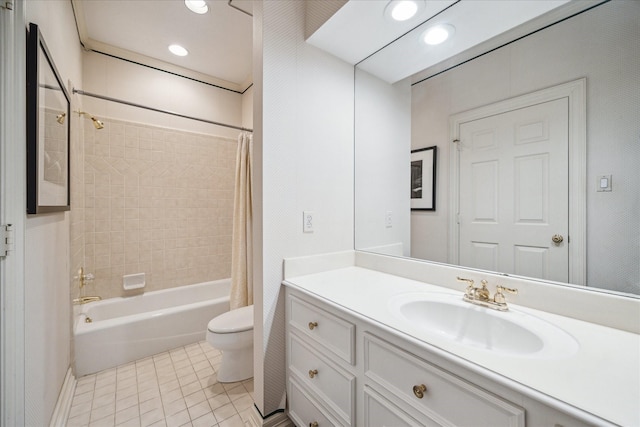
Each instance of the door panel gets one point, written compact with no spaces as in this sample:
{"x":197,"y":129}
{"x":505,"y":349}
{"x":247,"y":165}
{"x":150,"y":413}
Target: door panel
{"x":514,"y":191}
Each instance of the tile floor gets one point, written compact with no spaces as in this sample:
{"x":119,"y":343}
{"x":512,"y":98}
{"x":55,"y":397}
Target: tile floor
{"x":175,"y":388}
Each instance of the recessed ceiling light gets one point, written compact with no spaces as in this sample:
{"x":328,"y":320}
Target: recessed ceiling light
{"x":197,"y":6}
{"x":438,"y":34}
{"x":178,"y":50}
{"x":402,"y":10}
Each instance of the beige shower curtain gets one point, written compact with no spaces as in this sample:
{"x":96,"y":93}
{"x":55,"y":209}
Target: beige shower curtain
{"x":242,"y":245}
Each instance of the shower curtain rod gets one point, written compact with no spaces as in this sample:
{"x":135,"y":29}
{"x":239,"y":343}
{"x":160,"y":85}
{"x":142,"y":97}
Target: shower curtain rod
{"x":158,"y":110}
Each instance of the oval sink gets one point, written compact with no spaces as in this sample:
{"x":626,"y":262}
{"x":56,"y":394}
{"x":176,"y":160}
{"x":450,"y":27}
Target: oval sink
{"x":511,"y":332}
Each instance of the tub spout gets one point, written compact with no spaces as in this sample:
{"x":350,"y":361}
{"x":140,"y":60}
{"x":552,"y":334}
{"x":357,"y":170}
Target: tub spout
{"x":84,"y":300}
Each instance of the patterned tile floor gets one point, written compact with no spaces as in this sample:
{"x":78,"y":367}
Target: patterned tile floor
{"x":175,"y":388}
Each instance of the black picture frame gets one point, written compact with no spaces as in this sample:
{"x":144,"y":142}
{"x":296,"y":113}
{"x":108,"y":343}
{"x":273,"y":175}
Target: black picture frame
{"x":48,"y":130}
{"x":423,"y":178}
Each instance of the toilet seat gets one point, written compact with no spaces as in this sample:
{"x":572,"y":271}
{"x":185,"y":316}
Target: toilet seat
{"x":238,"y":320}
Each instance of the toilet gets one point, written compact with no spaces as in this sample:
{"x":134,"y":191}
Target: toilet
{"x":232,"y":333}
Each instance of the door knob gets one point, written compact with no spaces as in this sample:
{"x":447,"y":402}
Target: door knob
{"x":557,"y":239}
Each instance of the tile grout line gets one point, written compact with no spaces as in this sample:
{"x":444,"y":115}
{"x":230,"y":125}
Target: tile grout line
{"x":190,"y":395}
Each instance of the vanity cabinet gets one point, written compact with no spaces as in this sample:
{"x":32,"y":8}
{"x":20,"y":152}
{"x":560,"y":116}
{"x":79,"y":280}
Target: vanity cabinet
{"x":346,"y":370}
{"x":320,"y":365}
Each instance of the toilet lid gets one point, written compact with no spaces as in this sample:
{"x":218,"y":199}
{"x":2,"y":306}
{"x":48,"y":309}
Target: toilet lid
{"x":238,"y":320}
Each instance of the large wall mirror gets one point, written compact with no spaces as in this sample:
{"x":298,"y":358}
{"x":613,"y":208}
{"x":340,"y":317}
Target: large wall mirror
{"x":538,"y":168}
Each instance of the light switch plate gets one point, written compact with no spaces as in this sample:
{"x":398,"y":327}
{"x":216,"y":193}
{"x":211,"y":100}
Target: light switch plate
{"x":604,"y":183}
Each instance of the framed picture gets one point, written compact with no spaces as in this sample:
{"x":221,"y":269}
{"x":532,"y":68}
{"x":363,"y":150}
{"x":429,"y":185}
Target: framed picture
{"x":423,"y":179}
{"x":48,"y":111}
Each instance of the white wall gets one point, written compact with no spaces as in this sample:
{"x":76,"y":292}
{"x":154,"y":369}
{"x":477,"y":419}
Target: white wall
{"x":115,"y":78}
{"x":383,"y":150}
{"x":304,"y":161}
{"x":47,"y":278}
{"x":578,"y":47}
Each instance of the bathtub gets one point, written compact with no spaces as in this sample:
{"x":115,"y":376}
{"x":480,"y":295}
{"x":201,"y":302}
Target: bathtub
{"x":126,"y":329}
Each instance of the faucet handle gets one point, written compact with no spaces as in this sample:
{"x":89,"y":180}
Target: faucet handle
{"x":499,"y":296}
{"x":470,"y":291}
{"x":462,"y":279}
{"x":83,"y":277}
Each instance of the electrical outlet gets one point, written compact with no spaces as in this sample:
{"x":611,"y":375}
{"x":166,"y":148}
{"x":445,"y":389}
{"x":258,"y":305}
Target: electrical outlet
{"x":388,"y":219}
{"x":307,"y":222}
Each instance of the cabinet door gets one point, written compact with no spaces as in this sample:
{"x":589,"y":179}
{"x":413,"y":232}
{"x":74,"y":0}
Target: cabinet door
{"x":441,"y":396}
{"x":379,"y":412}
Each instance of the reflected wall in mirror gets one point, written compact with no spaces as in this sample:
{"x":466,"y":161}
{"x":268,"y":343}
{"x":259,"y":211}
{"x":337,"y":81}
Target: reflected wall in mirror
{"x":599,"y":46}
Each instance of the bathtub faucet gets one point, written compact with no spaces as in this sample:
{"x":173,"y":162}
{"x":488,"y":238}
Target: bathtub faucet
{"x":84,"y":300}
{"x":84,"y":279}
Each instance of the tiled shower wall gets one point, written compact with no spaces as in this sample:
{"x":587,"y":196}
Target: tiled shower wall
{"x":157,"y":201}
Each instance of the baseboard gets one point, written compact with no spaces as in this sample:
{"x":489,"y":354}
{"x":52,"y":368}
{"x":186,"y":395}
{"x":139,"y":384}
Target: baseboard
{"x":65,"y":398}
{"x":278,"y":419}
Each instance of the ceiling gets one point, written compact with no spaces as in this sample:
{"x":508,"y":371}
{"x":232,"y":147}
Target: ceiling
{"x":361,"y":28}
{"x":219,"y":42}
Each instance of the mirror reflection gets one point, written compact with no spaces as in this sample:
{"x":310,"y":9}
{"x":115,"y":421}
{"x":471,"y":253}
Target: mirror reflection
{"x":538,"y":154}
{"x":53,"y":119}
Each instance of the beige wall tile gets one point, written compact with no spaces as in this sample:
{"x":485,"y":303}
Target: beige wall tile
{"x":157,"y":201}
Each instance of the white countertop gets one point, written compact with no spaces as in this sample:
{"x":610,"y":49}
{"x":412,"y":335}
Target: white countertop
{"x":601,"y":378}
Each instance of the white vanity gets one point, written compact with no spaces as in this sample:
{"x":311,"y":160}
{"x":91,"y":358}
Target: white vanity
{"x":363,"y":350}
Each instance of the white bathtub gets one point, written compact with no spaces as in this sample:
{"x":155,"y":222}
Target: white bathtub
{"x":126,"y":329}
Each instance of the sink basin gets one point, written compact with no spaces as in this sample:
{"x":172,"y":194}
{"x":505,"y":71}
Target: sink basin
{"x":511,"y":333}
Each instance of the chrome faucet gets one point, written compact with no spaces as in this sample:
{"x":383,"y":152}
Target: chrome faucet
{"x":482,"y":296}
{"x":83,"y":280}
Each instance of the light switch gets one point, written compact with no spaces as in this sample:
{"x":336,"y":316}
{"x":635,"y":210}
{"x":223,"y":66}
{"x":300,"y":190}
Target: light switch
{"x":604,"y":183}
{"x":388,"y":219}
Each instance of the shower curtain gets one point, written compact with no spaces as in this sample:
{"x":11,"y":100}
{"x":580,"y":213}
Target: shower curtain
{"x":242,"y":245}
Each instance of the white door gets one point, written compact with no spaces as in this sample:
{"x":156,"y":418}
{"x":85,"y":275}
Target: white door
{"x":514,"y":179}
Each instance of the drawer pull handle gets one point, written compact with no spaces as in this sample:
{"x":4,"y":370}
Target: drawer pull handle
{"x":313,"y":325}
{"x":313,"y":424}
{"x":419,"y":390}
{"x":313,"y":373}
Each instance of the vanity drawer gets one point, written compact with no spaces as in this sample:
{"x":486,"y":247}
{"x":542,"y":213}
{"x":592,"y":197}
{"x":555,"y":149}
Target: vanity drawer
{"x":446,"y":399}
{"x":305,"y":411}
{"x":328,"y":330}
{"x":334,"y":386}
{"x":378,"y":411}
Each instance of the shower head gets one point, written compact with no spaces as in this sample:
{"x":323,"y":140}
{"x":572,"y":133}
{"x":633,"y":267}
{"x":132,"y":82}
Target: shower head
{"x":96,"y":123}
{"x":60,"y":118}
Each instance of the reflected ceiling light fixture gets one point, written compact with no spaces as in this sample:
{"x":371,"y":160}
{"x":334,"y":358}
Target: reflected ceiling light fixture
{"x":96,"y":123}
{"x":402,"y":10}
{"x":438,"y":34}
{"x":60,"y":118}
{"x":178,"y":50}
{"x":197,"y":6}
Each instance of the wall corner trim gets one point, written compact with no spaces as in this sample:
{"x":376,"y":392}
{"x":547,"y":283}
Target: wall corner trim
{"x":65,"y":398}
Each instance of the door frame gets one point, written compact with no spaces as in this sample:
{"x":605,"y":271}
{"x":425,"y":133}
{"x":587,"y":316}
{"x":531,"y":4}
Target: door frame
{"x":575,"y":91}
{"x":12,"y":209}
